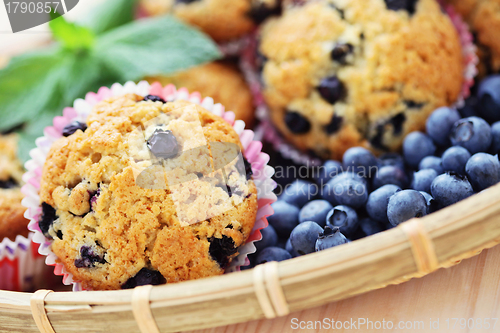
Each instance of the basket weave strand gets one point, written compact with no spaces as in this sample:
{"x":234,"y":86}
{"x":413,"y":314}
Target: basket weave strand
{"x":37,"y":304}
{"x":141,"y":308}
{"x":422,"y":247}
{"x":269,"y":291}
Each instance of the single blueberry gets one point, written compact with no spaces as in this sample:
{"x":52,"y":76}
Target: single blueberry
{"x":297,"y":123}
{"x":359,"y":160}
{"x":370,"y":227}
{"x":329,"y":238}
{"x":408,"y":5}
{"x":454,"y":159}
{"x":341,"y":51}
{"x":422,"y":180}
{"x":389,"y":175}
{"x":488,"y":95}
{"x":303,"y":237}
{"x":439,"y":124}
{"x":376,"y":206}
{"x":495,"y":138}
{"x":47,"y":219}
{"x":472,"y":133}
{"x":431,"y":162}
{"x":405,"y":205}
{"x":154,"y":98}
{"x":289,"y":248}
{"x":331,"y":89}
{"x":299,"y":193}
{"x":483,"y":171}
{"x":348,"y":191}
{"x":163,"y":144}
{"x":73,"y":127}
{"x":221,"y":248}
{"x":431,"y":203}
{"x":93,"y":198}
{"x":392,"y":159}
{"x":263,"y":10}
{"x":315,"y":211}
{"x":449,"y":188}
{"x":416,"y":146}
{"x":88,"y":258}
{"x":343,"y":217}
{"x":9,"y":183}
{"x":269,"y":238}
{"x":272,"y":253}
{"x":144,"y":277}
{"x":285,"y":218}
{"x":335,"y":125}
{"x":327,"y":171}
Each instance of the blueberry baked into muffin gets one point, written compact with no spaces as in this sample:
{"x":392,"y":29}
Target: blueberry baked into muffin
{"x":12,"y":221}
{"x":222,"y":82}
{"x":483,"y":17}
{"x":146,"y":192}
{"x":344,"y":73}
{"x":223,"y":20}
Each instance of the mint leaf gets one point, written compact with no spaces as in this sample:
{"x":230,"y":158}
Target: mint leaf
{"x":154,"y":46}
{"x":71,"y":36}
{"x":27,"y":84}
{"x":109,"y":15}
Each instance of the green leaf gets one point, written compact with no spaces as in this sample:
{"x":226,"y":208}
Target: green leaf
{"x":27,"y":84}
{"x":33,"y":130}
{"x":154,"y":46}
{"x":71,"y":35}
{"x":111,"y":14}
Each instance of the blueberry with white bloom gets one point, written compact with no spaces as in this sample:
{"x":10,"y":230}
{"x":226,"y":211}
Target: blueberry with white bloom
{"x":269,"y":238}
{"x":431,"y":203}
{"x":329,"y":238}
{"x":422,"y":179}
{"x":299,"y":193}
{"x":405,"y":205}
{"x":272,"y":253}
{"x":376,"y":206}
{"x":439,"y":124}
{"x":327,"y":171}
{"x":495,"y":138}
{"x":416,"y":146}
{"x":345,"y":218}
{"x":315,"y":211}
{"x":431,"y":162}
{"x":488,"y":96}
{"x":370,"y":227}
{"x":473,"y":133}
{"x":450,"y":188}
{"x":454,"y":159}
{"x":347,"y":191}
{"x":389,"y":175}
{"x":303,"y":237}
{"x":284,"y":219}
{"x":483,"y":171}
{"x":359,"y":160}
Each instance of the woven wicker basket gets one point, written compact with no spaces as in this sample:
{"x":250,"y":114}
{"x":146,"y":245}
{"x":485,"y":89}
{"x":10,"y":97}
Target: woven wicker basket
{"x":413,"y":249}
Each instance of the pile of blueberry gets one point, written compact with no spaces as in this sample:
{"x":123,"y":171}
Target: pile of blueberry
{"x":364,"y":195}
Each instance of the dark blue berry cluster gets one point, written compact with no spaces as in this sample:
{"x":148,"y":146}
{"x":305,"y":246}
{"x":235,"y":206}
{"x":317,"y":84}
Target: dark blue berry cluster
{"x":362,"y":195}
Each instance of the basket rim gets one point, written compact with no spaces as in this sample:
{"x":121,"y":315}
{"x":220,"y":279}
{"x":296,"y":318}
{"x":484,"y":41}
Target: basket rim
{"x":303,"y":280}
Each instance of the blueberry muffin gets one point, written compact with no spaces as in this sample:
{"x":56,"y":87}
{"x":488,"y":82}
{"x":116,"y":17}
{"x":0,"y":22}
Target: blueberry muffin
{"x":222,"y":82}
{"x":12,"y":221}
{"x":146,"y":192}
{"x":344,"y":73}
{"x":223,"y":20}
{"x":483,"y":17}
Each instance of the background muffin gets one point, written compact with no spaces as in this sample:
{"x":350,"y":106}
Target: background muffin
{"x":114,"y":225}
{"x":12,"y":221}
{"x":483,"y":17}
{"x":338,"y":74}
{"x":223,"y":20}
{"x":221,"y":81}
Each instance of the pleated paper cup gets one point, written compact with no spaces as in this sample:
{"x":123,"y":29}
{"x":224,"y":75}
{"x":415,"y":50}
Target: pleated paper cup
{"x":79,"y":112}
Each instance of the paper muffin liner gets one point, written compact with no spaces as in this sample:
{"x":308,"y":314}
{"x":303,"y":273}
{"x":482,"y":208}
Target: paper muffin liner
{"x":80,"y":110}
{"x":22,"y":268}
{"x":266,"y":130}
